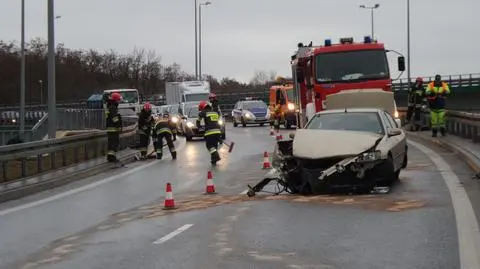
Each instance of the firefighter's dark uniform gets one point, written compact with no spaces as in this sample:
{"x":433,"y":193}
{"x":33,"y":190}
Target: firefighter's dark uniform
{"x":163,"y":130}
{"x":215,"y":106}
{"x":114,"y":128}
{"x":145,"y":124}
{"x":213,"y":132}
{"x":416,"y":101}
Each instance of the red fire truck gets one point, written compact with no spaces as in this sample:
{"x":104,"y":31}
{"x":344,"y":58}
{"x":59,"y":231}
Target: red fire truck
{"x":331,"y":68}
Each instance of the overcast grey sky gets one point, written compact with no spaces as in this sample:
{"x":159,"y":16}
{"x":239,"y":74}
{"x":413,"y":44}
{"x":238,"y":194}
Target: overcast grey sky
{"x":241,"y":36}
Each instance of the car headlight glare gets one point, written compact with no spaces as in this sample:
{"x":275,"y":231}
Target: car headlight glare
{"x":190,"y":124}
{"x":248,"y":115}
{"x":174,"y":119}
{"x":290,"y":106}
{"x":396,"y":114}
{"x":220,"y":122}
{"x":371,"y":156}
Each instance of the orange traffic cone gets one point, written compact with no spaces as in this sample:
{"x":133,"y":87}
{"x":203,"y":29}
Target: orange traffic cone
{"x":210,"y":189}
{"x":169,"y":202}
{"x":266,"y":161}
{"x":279,"y":136}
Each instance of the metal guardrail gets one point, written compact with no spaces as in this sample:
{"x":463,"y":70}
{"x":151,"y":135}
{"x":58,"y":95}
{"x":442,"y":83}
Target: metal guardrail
{"x":459,"y":123}
{"x":32,"y":158}
{"x":455,"y":81}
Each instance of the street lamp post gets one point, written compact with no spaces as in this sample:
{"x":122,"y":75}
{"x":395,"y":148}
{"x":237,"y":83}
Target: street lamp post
{"x":52,"y":113}
{"x":372,"y":8}
{"x":200,"y":37}
{"x":408,"y":44}
{"x":22,"y":73}
{"x":196,"y":40}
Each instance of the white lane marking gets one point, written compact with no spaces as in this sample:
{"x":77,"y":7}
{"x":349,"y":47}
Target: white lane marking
{"x":244,"y":192}
{"x":172,"y":234}
{"x":467,"y":225}
{"x":83,"y":188}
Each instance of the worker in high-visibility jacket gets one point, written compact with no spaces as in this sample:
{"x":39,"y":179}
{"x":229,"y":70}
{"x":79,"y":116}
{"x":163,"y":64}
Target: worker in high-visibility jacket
{"x":162,"y":130}
{"x":114,"y":126}
{"x":277,"y":116}
{"x":213,"y":131}
{"x":437,"y":92}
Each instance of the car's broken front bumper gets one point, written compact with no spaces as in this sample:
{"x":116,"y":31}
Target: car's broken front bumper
{"x":337,"y":172}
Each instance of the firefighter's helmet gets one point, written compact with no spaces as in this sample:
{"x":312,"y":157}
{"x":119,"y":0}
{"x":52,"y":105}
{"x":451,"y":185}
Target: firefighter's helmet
{"x":116,"y":97}
{"x":147,"y":107}
{"x":203,"y":105}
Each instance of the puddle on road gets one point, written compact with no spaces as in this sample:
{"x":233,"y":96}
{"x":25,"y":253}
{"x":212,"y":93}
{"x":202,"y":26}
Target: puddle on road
{"x":61,"y":248}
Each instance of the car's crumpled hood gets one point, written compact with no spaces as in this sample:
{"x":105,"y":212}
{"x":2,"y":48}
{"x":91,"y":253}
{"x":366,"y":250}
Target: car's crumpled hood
{"x":317,"y":144}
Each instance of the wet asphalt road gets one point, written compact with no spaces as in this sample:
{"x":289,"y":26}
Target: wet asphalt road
{"x":121,"y":224}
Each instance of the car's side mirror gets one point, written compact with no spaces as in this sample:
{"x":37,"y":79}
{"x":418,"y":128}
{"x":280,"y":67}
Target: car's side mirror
{"x":394,"y":132}
{"x":398,"y":122}
{"x":291,"y":135}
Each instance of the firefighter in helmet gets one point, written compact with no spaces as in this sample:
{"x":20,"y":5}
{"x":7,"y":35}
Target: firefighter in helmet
{"x":213,"y":132}
{"x":162,"y":130}
{"x":437,"y":92}
{"x":212,"y":97}
{"x":145,"y":124}
{"x":416,"y":100}
{"x":113,"y":125}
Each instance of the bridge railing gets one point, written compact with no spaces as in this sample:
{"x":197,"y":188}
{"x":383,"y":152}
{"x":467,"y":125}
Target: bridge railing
{"x":32,"y":158}
{"x":455,"y":81}
{"x":459,"y":123}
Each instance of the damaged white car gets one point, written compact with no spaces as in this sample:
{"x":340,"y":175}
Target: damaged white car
{"x":356,"y":148}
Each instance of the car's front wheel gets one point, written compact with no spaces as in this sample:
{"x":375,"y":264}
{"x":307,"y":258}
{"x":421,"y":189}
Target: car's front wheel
{"x":386,"y":171}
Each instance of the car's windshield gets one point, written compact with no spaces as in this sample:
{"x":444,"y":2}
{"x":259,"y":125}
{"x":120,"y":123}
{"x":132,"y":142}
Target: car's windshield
{"x":193,"y":112}
{"x":254,"y":104}
{"x":290,"y":95}
{"x":351,"y":66}
{"x":350,"y":121}
{"x":173,"y":109}
{"x":196,"y":97}
{"x":129,"y":97}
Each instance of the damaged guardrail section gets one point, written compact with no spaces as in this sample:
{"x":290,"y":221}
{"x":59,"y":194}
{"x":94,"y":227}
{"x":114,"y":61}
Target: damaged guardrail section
{"x":33,"y":158}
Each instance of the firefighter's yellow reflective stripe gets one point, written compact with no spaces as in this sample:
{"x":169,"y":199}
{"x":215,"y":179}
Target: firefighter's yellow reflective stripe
{"x":159,"y":151}
{"x":115,"y":119}
{"x":213,"y":116}
{"x":213,"y":131}
{"x":111,"y":152}
{"x":113,"y":129}
{"x":213,"y":150}
{"x":164,"y":130}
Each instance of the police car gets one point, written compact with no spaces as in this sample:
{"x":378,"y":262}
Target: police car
{"x":250,"y":111}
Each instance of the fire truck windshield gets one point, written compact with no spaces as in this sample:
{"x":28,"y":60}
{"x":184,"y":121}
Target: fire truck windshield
{"x":351,"y":66}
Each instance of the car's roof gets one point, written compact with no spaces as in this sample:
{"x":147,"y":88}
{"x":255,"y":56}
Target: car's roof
{"x":353,"y":110}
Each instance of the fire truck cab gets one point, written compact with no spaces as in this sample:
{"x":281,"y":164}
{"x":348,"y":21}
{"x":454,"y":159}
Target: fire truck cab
{"x":322,"y":70}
